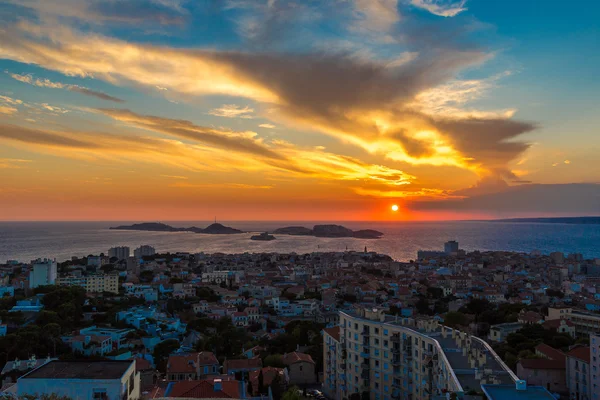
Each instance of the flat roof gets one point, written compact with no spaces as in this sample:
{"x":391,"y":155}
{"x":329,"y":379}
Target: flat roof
{"x":80,"y":370}
{"x":510,"y":392}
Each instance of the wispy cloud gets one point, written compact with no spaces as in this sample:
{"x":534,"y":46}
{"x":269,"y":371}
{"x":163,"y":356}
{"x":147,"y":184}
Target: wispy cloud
{"x":232,"y":111}
{"x":174,"y":176}
{"x":58,"y":85}
{"x":267,"y":126}
{"x":187,"y":185}
{"x":443,"y":8}
{"x":13,"y":163}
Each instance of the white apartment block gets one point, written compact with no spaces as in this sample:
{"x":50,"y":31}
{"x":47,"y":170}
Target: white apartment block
{"x":43,"y":272}
{"x":120,"y":252}
{"x":144,"y":250}
{"x":95,"y":283}
{"x":401,"y":359}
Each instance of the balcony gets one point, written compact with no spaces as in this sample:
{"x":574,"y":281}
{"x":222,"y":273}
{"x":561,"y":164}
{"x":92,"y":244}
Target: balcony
{"x":365,"y":366}
{"x":395,"y":350}
{"x":365,"y":333}
{"x":397,"y":384}
{"x":395,"y":339}
{"x":396,"y":360}
{"x":365,"y":354}
{"x":365,"y":374}
{"x":343,"y":366}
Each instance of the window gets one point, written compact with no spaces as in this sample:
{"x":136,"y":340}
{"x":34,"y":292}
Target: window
{"x":385,"y":343}
{"x":300,"y":368}
{"x":376,"y":331}
{"x":385,"y":331}
{"x":99,"y":394}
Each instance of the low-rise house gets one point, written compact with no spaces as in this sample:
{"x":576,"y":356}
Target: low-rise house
{"x":550,"y":374}
{"x":242,"y":365}
{"x":301,"y":368}
{"x":239,"y":318}
{"x":206,"y":389}
{"x":181,"y":367}
{"x":560,"y":326}
{"x":90,"y":345}
{"x":83,"y":380}
{"x":498,"y":333}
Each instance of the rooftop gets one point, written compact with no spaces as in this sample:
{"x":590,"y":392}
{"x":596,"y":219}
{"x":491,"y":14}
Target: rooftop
{"x":80,"y":370}
{"x":510,"y":392}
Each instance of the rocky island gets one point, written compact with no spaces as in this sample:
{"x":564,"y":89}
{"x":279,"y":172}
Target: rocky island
{"x":263,"y":236}
{"x":329,"y":231}
{"x":212,"y":229}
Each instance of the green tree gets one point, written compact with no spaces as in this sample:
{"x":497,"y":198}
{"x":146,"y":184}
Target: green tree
{"x":291,"y":394}
{"x":261,"y":383}
{"x":454,"y":319}
{"x":274,"y":360}
{"x":52,"y":332}
{"x":162,"y":351}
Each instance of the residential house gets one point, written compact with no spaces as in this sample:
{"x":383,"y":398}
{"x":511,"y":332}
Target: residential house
{"x":498,"y":333}
{"x":560,"y":326}
{"x":181,"y":367}
{"x":269,"y":374}
{"x":242,"y":366}
{"x":301,"y":368}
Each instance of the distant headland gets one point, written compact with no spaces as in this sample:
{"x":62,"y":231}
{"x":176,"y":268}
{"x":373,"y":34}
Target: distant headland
{"x":212,"y":229}
{"x":554,"y":220}
{"x":327,"y":231}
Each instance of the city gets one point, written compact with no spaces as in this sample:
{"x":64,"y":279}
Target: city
{"x":356,"y":324}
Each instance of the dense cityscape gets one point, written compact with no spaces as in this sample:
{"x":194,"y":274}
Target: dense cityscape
{"x":344,"y":325}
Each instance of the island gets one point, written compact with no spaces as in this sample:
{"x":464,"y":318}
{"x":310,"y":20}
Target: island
{"x":212,"y":229}
{"x":329,"y":231}
{"x":263,"y":236}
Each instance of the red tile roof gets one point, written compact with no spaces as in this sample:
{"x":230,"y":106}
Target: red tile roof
{"x":187,"y":363}
{"x":333,"y":332}
{"x":582,"y":353}
{"x":205,"y":390}
{"x":292,"y":358}
{"x":244,"y":363}
{"x":550,"y":352}
{"x":541,"y":363}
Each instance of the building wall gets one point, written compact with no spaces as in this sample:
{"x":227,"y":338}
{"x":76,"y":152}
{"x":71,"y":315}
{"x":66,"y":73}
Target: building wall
{"x":301,"y":373}
{"x":395,"y":363}
{"x":578,"y":379}
{"x":42,"y":273}
{"x":595,"y":366}
{"x":83,"y":389}
{"x":552,"y":379}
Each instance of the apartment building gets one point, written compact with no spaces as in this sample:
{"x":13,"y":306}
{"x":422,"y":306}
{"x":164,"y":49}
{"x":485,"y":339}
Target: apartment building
{"x":595,"y":365}
{"x":398,"y":358}
{"x":578,"y":373}
{"x":94,"y":283}
{"x":585,"y":323}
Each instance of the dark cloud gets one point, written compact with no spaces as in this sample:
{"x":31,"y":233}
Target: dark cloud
{"x":93,"y":93}
{"x":583,"y":198}
{"x":231,"y":141}
{"x":35,"y":136}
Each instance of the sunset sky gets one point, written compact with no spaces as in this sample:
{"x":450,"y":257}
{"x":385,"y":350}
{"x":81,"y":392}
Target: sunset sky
{"x":298,"y":110}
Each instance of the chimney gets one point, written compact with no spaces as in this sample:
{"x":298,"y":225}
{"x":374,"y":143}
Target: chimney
{"x":217,"y":385}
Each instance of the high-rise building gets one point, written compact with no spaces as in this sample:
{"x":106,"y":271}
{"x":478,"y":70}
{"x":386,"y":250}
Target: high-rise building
{"x":144,"y":250}
{"x":120,"y":252}
{"x":43,"y":272}
{"x":398,"y":358}
{"x":451,"y":247}
{"x":595,"y":365}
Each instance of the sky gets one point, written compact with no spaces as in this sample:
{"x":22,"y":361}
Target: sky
{"x":298,"y":110}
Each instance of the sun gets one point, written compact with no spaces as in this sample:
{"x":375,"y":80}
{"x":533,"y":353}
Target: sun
{"x":395,"y":207}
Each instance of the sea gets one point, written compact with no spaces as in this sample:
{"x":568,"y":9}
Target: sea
{"x":26,"y":241}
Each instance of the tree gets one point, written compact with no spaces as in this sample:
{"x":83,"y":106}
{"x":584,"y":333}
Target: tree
{"x":278,"y":388}
{"x":274,"y":360}
{"x":354,"y":396}
{"x":250,"y":388}
{"x":52,"y":330}
{"x":261,"y":383}
{"x":454,"y":319}
{"x":291,"y":394}
{"x":162,"y":352}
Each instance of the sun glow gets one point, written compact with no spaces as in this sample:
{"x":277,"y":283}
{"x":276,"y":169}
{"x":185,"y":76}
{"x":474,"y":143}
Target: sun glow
{"x":395,"y":207}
